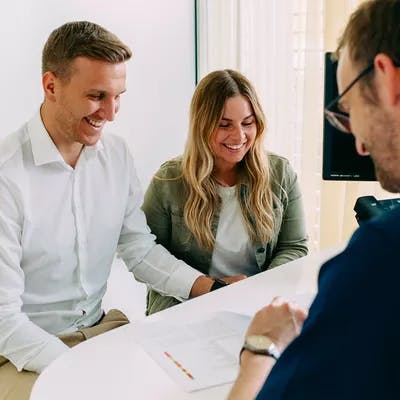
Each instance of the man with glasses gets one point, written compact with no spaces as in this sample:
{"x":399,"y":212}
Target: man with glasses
{"x":348,"y":344}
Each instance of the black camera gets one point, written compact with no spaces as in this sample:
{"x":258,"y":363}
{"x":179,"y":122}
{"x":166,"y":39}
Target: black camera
{"x":367,"y":207}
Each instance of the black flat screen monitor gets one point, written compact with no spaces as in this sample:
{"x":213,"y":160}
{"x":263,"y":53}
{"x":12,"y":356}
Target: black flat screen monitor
{"x":341,"y":161}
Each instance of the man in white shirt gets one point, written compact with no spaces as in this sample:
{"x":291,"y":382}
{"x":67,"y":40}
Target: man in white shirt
{"x":70,"y":199}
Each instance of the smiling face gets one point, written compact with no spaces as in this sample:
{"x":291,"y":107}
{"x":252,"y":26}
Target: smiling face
{"x":374,"y":118}
{"x":78,"y":108}
{"x":235,"y":133}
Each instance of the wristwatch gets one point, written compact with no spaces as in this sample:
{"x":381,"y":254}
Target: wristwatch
{"x":218,"y":284}
{"x":260,"y":344}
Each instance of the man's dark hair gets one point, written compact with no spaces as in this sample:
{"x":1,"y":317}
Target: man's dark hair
{"x":373,"y":28}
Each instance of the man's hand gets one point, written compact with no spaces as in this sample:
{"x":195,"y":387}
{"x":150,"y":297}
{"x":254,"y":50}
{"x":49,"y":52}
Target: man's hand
{"x":201,"y":285}
{"x":281,"y":321}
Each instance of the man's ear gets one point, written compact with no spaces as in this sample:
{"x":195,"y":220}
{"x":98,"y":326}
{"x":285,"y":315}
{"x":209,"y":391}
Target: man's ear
{"x":388,"y":80}
{"x":49,"y":85}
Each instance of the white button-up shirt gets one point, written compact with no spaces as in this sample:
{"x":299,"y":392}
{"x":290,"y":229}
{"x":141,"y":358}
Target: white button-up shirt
{"x":59,"y":231}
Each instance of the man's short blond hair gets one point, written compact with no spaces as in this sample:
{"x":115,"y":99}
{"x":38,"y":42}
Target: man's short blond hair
{"x":81,"y":39}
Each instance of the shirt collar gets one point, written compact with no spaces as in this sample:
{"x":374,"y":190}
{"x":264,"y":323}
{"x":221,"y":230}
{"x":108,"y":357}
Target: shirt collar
{"x":43,"y":148}
{"x":91,"y":151}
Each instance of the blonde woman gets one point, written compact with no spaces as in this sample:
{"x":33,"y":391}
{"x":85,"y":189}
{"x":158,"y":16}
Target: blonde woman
{"x":226,"y":207}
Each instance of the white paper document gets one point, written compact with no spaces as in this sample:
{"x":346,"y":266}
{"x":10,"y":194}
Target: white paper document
{"x":196,"y":355}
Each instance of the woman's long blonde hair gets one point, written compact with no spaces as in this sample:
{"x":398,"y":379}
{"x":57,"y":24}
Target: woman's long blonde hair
{"x":206,"y":110}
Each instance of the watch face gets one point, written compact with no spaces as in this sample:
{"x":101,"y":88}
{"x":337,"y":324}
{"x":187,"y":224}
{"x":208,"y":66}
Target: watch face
{"x":259,"y":342}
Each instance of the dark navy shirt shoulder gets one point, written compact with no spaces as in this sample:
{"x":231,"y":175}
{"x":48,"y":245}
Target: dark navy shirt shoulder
{"x":348,"y":348}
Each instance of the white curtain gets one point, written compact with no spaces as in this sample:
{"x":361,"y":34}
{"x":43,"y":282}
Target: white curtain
{"x":278,"y":45}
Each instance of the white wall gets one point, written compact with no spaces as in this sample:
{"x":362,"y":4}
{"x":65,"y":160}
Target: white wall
{"x":154,"y":111}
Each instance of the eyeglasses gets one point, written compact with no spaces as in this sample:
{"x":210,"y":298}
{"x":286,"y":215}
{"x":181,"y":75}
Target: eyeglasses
{"x":340,"y":119}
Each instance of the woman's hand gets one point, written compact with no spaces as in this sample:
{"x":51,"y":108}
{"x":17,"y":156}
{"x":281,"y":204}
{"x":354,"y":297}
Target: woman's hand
{"x":233,"y":279}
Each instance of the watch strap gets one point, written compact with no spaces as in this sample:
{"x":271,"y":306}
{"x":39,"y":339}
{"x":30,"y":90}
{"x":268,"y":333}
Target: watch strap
{"x":271,"y":350}
{"x":265,"y":352}
{"x":218,"y":284}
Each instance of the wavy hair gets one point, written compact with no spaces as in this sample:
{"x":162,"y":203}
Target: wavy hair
{"x":206,"y":110}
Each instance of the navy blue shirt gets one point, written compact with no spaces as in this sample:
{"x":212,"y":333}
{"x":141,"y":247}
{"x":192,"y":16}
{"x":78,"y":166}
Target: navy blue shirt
{"x":349,"y":347}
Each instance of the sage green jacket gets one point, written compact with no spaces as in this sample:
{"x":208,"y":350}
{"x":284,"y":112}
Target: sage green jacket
{"x":164,"y":203}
